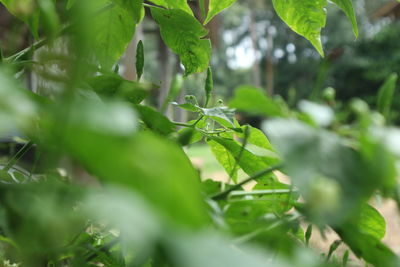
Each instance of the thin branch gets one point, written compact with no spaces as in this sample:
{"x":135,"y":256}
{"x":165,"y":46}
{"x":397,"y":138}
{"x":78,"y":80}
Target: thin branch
{"x":255,"y":177}
{"x":18,"y":156}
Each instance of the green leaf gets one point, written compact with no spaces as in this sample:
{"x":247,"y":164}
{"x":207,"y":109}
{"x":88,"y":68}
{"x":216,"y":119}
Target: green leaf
{"x":49,"y":17}
{"x":17,"y":108}
{"x":253,"y":100}
{"x":174,"y":4}
{"x":249,"y":162}
{"x":113,"y":85}
{"x":368,"y":247}
{"x":187,"y":106}
{"x":222,"y":115}
{"x":225,"y":158}
{"x":135,"y":7}
{"x":154,"y":120}
{"x":216,"y":6}
{"x":126,"y":159}
{"x":70,"y":3}
{"x":183,"y":34}
{"x":347,"y":7}
{"x":174,"y":90}
{"x":258,"y":144}
{"x":25,"y":10}
{"x":139,"y":60}
{"x":306,"y":17}
{"x":386,"y":95}
{"x":371,"y":222}
{"x":112,"y":30}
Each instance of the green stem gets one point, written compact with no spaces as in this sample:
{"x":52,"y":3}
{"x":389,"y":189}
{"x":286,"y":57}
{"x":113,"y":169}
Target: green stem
{"x":237,"y":162}
{"x":254,"y":177}
{"x":261,"y":192}
{"x":18,"y":156}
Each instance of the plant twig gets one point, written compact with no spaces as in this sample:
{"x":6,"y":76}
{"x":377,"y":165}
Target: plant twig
{"x":17,"y":156}
{"x":254,"y":177}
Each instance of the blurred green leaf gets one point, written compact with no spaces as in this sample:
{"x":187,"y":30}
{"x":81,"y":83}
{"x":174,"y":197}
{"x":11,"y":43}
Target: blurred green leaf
{"x":164,"y":184}
{"x":252,"y":100}
{"x":49,"y":17}
{"x":17,"y":108}
{"x":113,"y":85}
{"x":322,"y":115}
{"x":27,"y":11}
{"x":386,"y":95}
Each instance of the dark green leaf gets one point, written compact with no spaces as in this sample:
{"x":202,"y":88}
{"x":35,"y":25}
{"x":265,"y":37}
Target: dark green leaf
{"x":208,"y":88}
{"x":155,"y":120}
{"x":139,"y":60}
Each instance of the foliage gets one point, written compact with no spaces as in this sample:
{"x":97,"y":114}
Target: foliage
{"x":143,"y":203}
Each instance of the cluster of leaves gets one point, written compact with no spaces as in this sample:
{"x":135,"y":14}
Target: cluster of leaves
{"x":144,"y":203}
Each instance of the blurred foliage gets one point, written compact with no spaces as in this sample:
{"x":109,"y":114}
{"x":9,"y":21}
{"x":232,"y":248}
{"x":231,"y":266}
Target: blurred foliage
{"x":110,"y":184}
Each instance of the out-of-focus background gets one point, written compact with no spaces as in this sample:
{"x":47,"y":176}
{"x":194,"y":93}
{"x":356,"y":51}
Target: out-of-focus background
{"x":253,"y":46}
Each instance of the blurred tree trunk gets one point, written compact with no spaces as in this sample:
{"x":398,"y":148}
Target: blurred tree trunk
{"x":269,"y":64}
{"x":254,"y":40}
{"x":164,"y":69}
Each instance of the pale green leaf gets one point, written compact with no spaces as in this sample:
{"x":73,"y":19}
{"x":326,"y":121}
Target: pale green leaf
{"x":347,"y":7}
{"x":216,"y":6}
{"x":183,"y":34}
{"x":306,"y":17}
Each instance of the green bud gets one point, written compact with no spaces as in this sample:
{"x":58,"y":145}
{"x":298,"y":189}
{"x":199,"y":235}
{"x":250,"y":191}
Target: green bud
{"x":209,"y":86}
